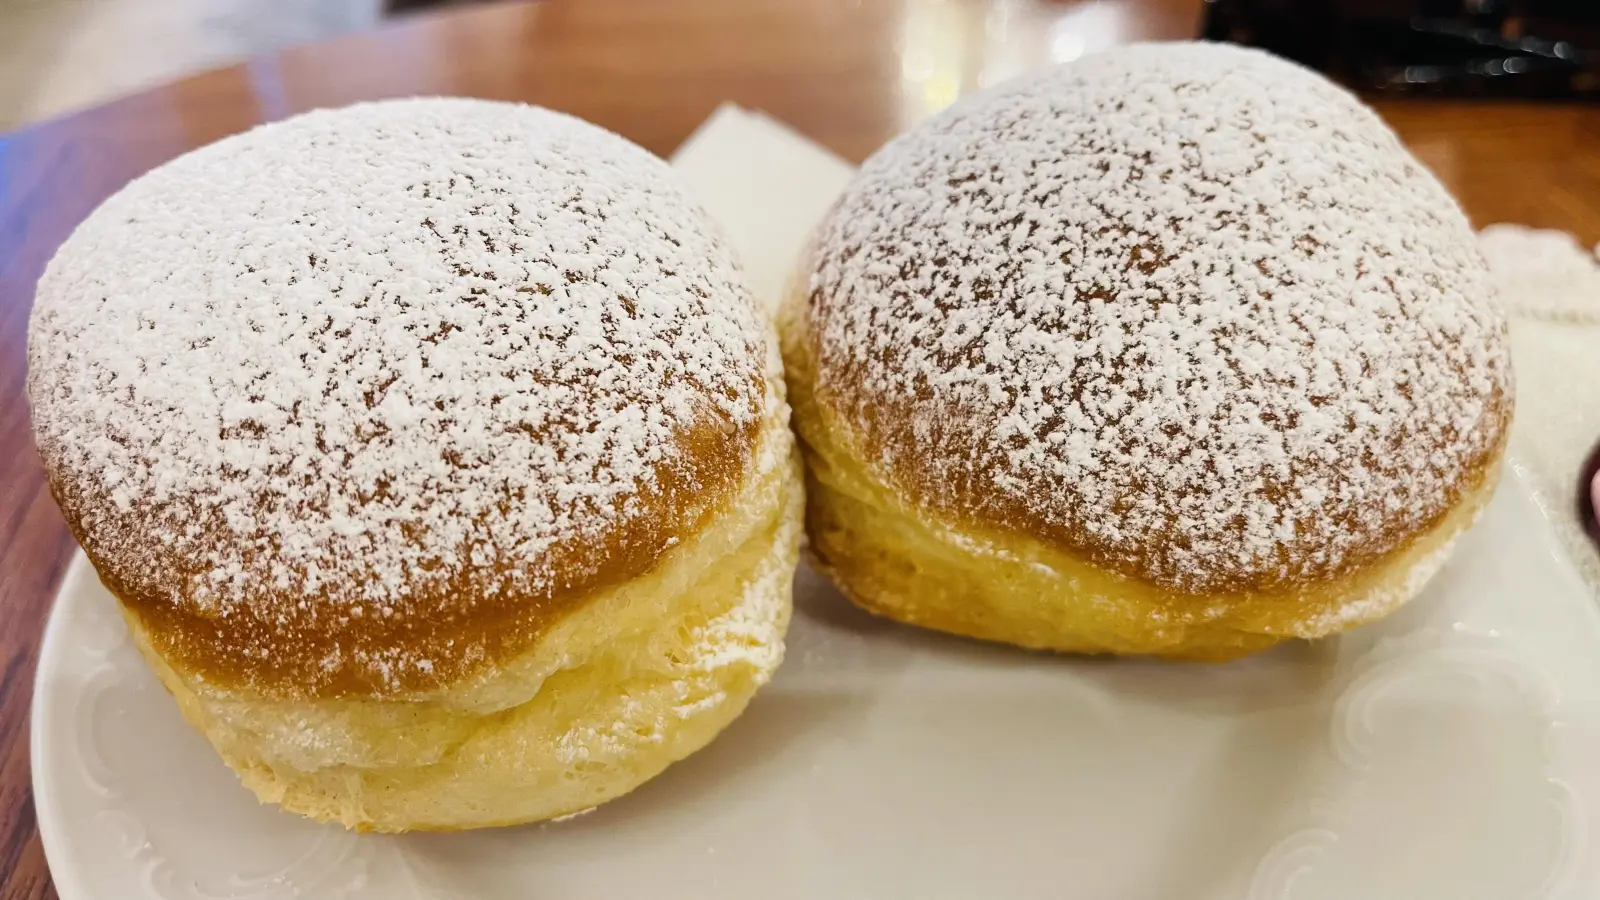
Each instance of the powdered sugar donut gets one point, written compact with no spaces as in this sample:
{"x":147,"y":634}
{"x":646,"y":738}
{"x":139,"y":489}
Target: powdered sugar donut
{"x":1172,"y":350}
{"x":437,"y":452}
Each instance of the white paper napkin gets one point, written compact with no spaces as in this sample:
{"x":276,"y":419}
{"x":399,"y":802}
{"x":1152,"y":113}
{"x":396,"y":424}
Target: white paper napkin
{"x":769,"y":187}
{"x":766,"y":185}
{"x":1550,"y":286}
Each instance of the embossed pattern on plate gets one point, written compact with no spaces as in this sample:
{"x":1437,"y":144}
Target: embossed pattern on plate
{"x":1450,"y":751}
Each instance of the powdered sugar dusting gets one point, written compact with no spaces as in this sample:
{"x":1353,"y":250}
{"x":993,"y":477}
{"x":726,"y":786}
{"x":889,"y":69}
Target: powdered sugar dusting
{"x":1189,"y":308}
{"x":355,"y":363}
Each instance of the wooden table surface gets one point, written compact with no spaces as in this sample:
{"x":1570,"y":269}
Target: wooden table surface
{"x":848,"y":73}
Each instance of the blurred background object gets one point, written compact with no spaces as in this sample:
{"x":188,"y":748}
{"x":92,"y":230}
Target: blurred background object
{"x":61,"y":55}
{"x":57,"y":56}
{"x":1486,"y":48}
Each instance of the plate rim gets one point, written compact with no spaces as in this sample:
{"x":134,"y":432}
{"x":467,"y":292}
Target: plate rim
{"x":69,"y":881}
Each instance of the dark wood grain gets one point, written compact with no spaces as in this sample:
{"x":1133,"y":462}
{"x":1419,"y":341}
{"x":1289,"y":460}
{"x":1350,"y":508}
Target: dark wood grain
{"x":849,"y":73}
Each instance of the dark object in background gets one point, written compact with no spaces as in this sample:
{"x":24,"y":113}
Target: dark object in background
{"x":1588,"y":494}
{"x":1484,"y":48}
{"x":396,"y":7}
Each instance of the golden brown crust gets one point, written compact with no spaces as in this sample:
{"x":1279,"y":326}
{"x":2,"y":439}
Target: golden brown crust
{"x":476,"y":620}
{"x":898,"y":556}
{"x":631,"y":680}
{"x":968,"y":495}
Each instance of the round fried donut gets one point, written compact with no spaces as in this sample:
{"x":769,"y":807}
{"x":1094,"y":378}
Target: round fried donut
{"x":437,"y":454}
{"x":1174,"y":350}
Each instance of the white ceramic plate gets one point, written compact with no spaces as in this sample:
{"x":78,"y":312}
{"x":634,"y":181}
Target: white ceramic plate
{"x":1451,"y":752}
